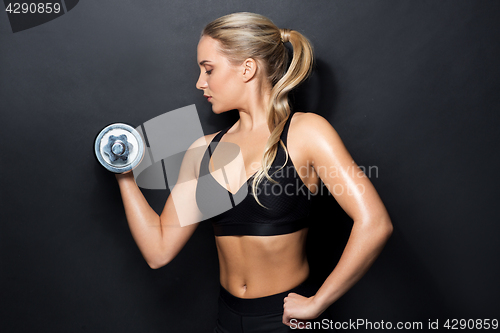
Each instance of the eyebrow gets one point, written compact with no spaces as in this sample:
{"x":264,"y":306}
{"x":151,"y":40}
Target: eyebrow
{"x":203,"y":62}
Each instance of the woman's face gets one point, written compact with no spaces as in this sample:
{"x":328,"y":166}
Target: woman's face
{"x":219,"y":80}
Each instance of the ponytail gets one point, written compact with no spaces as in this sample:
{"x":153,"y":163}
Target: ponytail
{"x":279,"y":107}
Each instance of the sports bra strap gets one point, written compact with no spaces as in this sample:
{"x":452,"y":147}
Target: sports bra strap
{"x":284,"y":134}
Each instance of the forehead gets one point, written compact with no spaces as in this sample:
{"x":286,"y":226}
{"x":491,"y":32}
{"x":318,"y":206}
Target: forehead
{"x":207,"y":50}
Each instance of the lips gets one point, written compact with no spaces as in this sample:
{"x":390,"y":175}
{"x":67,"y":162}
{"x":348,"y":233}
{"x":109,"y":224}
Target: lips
{"x":208,"y":97}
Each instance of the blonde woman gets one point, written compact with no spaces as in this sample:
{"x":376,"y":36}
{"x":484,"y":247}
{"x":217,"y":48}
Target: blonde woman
{"x":264,"y":273}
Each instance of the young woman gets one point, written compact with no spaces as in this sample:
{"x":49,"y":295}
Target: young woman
{"x":264,"y":285}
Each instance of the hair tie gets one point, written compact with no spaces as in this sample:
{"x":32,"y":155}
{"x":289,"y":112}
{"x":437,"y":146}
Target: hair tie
{"x":285,"y":35}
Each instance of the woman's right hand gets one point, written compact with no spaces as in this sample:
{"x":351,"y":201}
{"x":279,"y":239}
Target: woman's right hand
{"x":126,"y":175}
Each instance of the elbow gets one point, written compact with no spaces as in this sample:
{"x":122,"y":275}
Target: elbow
{"x":381,"y":227}
{"x":390,"y":229}
{"x":158,"y":262}
{"x":386,"y":228}
{"x":155,"y":265}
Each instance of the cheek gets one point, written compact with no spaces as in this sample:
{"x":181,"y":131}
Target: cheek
{"x":226,"y":88}
{"x":220,"y":82}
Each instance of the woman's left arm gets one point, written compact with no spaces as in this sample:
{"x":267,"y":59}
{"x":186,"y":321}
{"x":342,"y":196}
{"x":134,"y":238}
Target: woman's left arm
{"x":355,"y":193}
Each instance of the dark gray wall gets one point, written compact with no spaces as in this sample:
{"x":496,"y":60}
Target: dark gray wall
{"x":410,"y":86}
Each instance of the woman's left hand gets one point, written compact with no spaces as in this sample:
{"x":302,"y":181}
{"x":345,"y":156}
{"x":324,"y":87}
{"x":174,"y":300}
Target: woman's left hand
{"x":299,"y":307}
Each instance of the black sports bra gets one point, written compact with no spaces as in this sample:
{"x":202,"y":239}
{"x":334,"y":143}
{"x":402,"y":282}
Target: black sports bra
{"x":288,"y":202}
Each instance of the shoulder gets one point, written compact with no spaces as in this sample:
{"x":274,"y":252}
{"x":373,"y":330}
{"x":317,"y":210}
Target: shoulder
{"x":203,"y":141}
{"x":304,"y":119}
{"x":194,"y":154}
{"x":311,"y":126}
{"x":315,"y":133}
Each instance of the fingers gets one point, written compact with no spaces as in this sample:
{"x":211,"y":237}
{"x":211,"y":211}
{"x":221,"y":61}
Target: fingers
{"x":286,"y":319}
{"x":297,"y":322}
{"x":290,"y":296}
{"x":287,"y":303}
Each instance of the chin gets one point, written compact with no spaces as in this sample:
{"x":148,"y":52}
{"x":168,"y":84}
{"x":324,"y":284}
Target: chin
{"x":217,"y":110}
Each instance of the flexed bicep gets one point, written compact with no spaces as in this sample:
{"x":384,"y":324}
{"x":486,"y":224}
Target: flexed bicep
{"x":181,"y":215}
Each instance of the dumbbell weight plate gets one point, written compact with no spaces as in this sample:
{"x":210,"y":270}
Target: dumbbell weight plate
{"x":111,"y":145}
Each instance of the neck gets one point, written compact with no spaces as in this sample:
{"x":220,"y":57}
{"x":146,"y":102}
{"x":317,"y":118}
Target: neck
{"x":253,"y":115}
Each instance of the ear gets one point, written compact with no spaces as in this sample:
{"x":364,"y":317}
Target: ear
{"x":249,"y":69}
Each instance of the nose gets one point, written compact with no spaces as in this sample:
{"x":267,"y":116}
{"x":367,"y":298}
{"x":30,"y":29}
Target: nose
{"x":201,"y":83}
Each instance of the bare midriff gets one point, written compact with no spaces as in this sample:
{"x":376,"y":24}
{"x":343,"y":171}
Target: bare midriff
{"x":258,"y":266}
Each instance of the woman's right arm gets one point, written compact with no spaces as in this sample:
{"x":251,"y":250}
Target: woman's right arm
{"x":160,"y":238}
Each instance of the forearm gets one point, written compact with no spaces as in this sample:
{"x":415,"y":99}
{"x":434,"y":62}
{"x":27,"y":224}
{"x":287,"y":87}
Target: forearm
{"x":143,"y":221}
{"x":365,"y":243}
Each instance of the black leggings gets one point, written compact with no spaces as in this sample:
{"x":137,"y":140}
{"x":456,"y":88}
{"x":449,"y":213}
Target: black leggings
{"x":263,"y":314}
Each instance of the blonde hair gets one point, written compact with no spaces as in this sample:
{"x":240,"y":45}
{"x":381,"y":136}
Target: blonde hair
{"x":247,"y":35}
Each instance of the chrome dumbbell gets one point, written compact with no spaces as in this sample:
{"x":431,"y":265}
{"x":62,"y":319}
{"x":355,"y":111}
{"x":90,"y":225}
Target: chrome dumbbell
{"x":119,"y":147}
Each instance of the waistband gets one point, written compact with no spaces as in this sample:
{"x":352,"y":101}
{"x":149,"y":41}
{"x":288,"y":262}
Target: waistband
{"x":267,"y":304}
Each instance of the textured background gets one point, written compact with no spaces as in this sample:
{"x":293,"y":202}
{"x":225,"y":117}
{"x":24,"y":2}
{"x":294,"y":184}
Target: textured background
{"x":410,"y":86}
